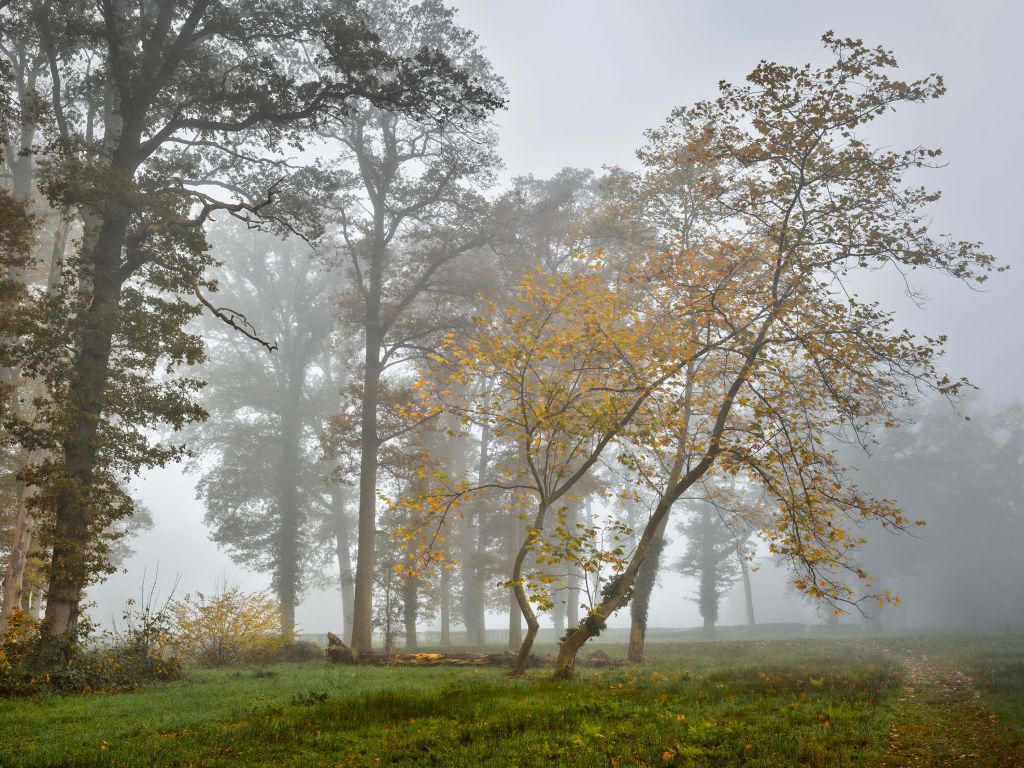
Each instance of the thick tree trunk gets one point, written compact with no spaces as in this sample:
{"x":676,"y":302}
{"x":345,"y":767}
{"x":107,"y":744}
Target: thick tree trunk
{"x":515,"y":626}
{"x":646,"y":578}
{"x":342,"y":550}
{"x":71,"y":559}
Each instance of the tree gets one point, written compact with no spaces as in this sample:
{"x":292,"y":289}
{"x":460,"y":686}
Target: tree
{"x":262,"y":480}
{"x":711,"y":546}
{"x":179,"y":93}
{"x":572,"y":361}
{"x":413,"y":210}
{"x":806,"y":202}
{"x":782,"y":350}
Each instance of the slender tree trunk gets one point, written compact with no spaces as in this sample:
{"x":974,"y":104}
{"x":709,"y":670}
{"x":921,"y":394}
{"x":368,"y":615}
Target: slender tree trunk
{"x":14,"y":578}
{"x":572,"y":608}
{"x":287,"y":577}
{"x":515,"y":626}
{"x":471,"y":534}
{"x":446,"y":607}
{"x":747,"y":593}
{"x":362,"y":610}
{"x":519,"y":590}
{"x":479,"y":587}
{"x":558,"y":616}
{"x":342,"y":548}
{"x":410,"y":607}
{"x":647,"y":575}
{"x":708,"y":582}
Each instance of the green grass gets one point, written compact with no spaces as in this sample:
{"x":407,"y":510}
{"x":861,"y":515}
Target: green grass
{"x":754,"y":703}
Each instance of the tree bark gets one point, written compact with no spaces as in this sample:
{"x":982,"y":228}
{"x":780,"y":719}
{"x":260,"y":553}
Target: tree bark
{"x":646,"y":578}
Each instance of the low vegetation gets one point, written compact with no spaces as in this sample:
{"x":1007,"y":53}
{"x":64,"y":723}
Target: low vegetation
{"x":751,"y":703}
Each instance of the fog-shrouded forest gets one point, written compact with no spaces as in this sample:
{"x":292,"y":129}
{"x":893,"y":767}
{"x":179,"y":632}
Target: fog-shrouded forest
{"x":353,"y":336}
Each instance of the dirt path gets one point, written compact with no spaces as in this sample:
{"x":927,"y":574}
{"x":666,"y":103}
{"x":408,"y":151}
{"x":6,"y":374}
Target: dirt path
{"x":942,"y":720}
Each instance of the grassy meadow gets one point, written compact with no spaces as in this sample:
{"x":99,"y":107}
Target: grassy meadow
{"x":887,"y":701}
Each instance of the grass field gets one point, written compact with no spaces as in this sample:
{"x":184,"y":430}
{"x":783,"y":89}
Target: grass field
{"x":893,"y":701}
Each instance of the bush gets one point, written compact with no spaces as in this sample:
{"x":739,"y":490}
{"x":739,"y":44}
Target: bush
{"x":229,"y":627}
{"x":137,"y":655}
{"x":294,"y":652}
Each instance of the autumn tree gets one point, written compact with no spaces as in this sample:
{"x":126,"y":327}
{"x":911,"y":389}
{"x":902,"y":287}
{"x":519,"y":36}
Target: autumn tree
{"x":806,"y":203}
{"x":782,"y":350}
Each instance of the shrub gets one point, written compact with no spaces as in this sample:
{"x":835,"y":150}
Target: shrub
{"x":293,"y":652}
{"x":229,"y":627}
{"x":141,"y":653}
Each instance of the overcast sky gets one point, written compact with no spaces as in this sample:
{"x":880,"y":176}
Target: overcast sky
{"x":586,"y":77}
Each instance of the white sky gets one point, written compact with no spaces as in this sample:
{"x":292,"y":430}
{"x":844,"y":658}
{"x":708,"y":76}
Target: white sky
{"x":586,"y":77}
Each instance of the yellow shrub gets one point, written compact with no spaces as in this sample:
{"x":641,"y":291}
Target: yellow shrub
{"x":229,"y":627}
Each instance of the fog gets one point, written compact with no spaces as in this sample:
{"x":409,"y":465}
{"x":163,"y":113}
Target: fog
{"x":585,"y":79}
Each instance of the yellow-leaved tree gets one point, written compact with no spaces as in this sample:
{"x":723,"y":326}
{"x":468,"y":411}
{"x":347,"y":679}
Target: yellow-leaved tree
{"x":741,"y":355}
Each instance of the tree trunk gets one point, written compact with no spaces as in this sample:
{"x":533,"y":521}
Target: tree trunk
{"x":362,"y":609}
{"x":572,"y":607}
{"x":287,"y":576}
{"x":342,"y":550}
{"x":558,"y":616}
{"x":646,"y":578}
{"x":708,"y":583}
{"x":479,"y":586}
{"x":410,"y":607}
{"x":14,"y":578}
{"x":515,"y":626}
{"x":747,"y":593}
{"x":446,"y":607}
{"x":70,"y":563}
{"x":519,"y":590}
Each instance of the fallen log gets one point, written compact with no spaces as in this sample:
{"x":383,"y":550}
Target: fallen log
{"x":340,"y":653}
